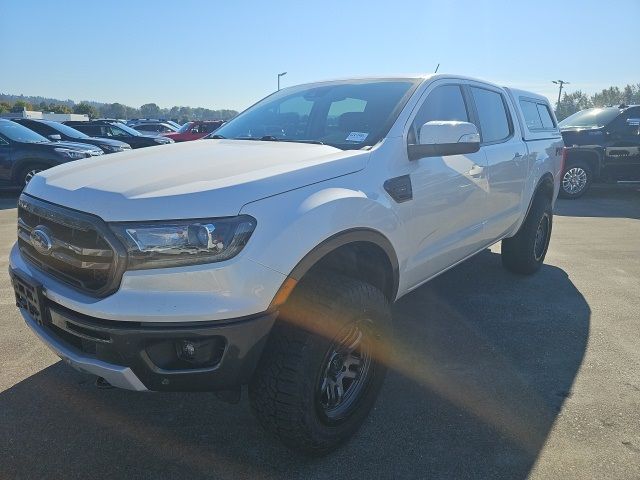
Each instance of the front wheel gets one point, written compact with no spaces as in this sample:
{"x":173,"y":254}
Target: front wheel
{"x":524,"y":252}
{"x":576,"y":180}
{"x":324,"y":363}
{"x":28,"y":172}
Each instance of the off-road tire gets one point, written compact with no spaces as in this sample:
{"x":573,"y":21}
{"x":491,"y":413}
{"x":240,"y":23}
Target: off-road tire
{"x":284,"y":389}
{"x":523,"y":253}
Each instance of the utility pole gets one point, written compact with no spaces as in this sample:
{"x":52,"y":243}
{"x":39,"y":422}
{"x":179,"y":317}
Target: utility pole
{"x":561,"y":83}
{"x":280,"y":75}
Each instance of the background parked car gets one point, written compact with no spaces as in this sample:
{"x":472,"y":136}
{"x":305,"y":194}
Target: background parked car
{"x":118,"y":131}
{"x":194,"y":130}
{"x":58,"y":131}
{"x":23,"y":153}
{"x":136,"y":121}
{"x":603,"y":145}
{"x":157,"y":128}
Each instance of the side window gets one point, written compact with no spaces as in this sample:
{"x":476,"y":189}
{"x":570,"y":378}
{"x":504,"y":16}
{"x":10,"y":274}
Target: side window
{"x":443,"y":103}
{"x":531,"y":115}
{"x":545,"y":116}
{"x":492,"y":115}
{"x":91,"y":130}
{"x":3,"y":142}
{"x":40,"y":128}
{"x":117,"y":132}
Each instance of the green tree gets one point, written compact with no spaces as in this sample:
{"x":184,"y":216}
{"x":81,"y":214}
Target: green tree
{"x":608,"y":96}
{"x":5,"y":107}
{"x":57,"y":108}
{"x":113,"y":110}
{"x":21,"y":105}
{"x":86,"y":109}
{"x":150,"y":110}
{"x":572,"y":103}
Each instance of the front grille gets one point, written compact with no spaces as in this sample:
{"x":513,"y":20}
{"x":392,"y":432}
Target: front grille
{"x":79,"y":249}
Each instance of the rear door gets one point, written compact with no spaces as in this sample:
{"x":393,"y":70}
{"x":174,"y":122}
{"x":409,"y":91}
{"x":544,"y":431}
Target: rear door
{"x":506,"y":157}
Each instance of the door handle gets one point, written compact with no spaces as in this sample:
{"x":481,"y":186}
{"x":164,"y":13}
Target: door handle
{"x":476,"y":171}
{"x":517,"y":155}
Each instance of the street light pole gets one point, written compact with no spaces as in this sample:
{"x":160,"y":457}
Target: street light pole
{"x":280,"y":75}
{"x":561,"y":83}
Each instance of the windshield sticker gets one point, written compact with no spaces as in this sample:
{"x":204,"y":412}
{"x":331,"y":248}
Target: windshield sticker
{"x":357,"y":137}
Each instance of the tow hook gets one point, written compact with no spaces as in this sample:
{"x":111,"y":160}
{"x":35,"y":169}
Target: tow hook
{"x":102,"y":384}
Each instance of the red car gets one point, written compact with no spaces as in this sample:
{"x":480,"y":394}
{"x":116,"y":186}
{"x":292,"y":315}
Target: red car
{"x":194,"y":130}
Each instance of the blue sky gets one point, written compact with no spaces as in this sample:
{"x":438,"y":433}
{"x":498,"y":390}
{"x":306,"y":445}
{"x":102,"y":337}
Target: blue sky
{"x":227,"y":54}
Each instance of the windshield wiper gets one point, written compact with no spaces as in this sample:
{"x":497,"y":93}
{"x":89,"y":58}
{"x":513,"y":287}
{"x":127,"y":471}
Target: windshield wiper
{"x":217,"y":137}
{"x":271,"y":138}
{"x":314,"y":142}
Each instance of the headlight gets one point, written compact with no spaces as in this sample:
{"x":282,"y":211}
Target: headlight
{"x":162,"y":140}
{"x":189,"y":242}
{"x":67,"y":152}
{"x":111,"y":148}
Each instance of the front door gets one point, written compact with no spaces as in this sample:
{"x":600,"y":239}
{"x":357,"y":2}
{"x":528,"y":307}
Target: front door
{"x":622,"y":153}
{"x":5,"y":160}
{"x":449,"y":193}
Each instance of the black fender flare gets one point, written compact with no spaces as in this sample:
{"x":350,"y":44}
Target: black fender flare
{"x":345,"y":237}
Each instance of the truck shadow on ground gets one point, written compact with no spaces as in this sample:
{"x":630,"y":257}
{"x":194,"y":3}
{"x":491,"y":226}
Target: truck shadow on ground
{"x":486,"y":360}
{"x":615,"y":201}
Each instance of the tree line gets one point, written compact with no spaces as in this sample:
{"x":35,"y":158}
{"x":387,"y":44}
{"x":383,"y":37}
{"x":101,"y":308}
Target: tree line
{"x":17,"y":103}
{"x":573,"y":102}
{"x":569,"y":104}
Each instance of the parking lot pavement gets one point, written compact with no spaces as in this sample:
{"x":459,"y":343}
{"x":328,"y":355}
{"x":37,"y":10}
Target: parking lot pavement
{"x":497,"y":376}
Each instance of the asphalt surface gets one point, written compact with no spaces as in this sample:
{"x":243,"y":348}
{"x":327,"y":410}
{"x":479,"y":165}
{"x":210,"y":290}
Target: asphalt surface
{"x":497,"y":376}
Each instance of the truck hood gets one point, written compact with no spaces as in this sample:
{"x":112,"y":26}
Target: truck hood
{"x":208,"y":178}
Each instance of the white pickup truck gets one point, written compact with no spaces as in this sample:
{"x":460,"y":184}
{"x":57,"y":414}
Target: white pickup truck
{"x":269,"y":253}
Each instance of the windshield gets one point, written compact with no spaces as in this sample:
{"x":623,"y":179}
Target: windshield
{"x":185,"y":128}
{"x":66,"y":130}
{"x":591,"y":117}
{"x":346,"y":115}
{"x":20,"y":133}
{"x":123,"y":127}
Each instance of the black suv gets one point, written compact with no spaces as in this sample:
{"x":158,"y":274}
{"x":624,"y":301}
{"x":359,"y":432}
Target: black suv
{"x":23,"y":153}
{"x":603,"y":144}
{"x":118,"y":131}
{"x":58,"y":131}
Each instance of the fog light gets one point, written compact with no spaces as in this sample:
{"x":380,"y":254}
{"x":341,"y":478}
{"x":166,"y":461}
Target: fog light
{"x":187,"y":350}
{"x":186,"y":353}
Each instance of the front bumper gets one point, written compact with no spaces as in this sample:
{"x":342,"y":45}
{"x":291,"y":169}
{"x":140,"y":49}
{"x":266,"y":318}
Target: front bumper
{"x":147,"y":356}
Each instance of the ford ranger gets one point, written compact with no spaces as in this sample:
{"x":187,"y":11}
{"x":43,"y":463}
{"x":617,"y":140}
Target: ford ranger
{"x":269,"y":254}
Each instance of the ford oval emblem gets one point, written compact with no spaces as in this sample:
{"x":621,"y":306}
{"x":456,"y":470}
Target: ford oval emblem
{"x":41,"y":240}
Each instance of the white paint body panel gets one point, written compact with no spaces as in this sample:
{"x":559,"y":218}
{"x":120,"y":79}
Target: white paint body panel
{"x":300,"y":194}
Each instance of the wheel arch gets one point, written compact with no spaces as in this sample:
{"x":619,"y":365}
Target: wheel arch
{"x":20,"y":165}
{"x":591,"y":156}
{"x":361,"y":253}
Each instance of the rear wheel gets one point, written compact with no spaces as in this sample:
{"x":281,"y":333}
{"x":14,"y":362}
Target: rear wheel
{"x":324,"y":363}
{"x":524,"y":252}
{"x":576,"y":179}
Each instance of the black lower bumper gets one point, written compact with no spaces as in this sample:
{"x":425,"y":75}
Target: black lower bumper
{"x":195,"y":356}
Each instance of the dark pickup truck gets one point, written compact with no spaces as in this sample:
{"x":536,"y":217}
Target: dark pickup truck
{"x":603,"y":145}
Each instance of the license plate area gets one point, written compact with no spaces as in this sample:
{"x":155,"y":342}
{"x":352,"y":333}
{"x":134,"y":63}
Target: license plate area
{"x":29,"y":296}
